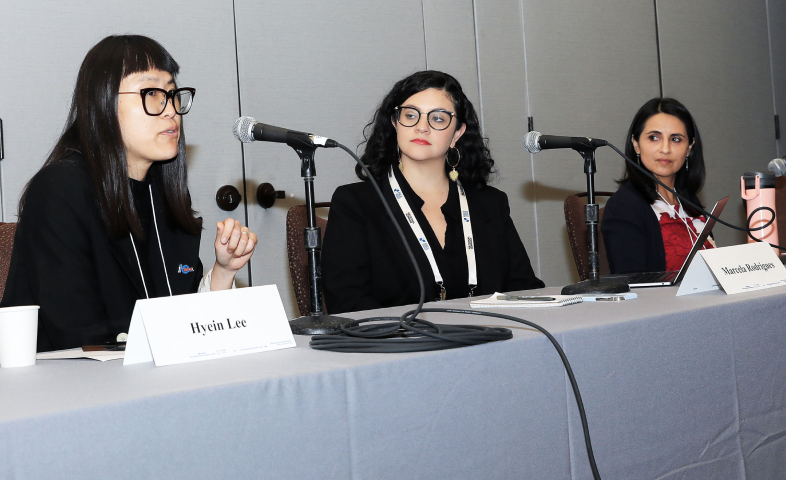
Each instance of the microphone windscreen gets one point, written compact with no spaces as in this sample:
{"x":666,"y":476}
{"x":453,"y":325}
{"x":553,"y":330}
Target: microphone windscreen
{"x":242,"y":129}
{"x":531,"y":142}
{"x":777,"y":166}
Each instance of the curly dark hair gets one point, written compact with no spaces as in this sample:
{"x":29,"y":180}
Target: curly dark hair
{"x":476,"y":164}
{"x":687,"y":182}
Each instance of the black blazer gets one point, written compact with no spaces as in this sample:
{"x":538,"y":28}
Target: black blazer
{"x":64,"y":261}
{"x":365,"y":265}
{"x":631,"y":232}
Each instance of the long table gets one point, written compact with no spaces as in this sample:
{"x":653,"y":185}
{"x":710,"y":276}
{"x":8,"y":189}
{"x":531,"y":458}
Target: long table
{"x":674,"y":387}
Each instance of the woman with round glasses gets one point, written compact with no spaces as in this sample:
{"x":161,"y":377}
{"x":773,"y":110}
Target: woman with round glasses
{"x":425,"y":150}
{"x":108,"y":218}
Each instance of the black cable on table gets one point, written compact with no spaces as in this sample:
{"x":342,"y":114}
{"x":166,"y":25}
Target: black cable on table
{"x":411,"y":334}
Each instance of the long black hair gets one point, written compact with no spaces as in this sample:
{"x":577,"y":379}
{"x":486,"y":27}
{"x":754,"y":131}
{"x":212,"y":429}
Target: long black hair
{"x":690,"y":178}
{"x":93,"y":130}
{"x":380,"y":135}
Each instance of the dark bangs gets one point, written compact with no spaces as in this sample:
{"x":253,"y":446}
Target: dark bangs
{"x":142,"y":54}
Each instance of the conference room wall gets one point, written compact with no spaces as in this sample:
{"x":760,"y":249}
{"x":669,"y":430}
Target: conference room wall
{"x":575,"y":92}
{"x":590,"y":66}
{"x":504,"y":110}
{"x":521,"y":47}
{"x":317,"y":67}
{"x":572,"y":89}
{"x":576,"y":70}
{"x":715,"y":59}
{"x":42,"y":44}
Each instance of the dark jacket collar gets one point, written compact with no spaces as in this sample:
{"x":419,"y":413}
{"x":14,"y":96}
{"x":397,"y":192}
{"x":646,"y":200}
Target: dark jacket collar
{"x":449,"y":209}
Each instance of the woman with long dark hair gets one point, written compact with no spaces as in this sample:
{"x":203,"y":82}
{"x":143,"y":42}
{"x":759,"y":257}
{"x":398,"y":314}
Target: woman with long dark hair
{"x":425,"y":149}
{"x":645,"y":226}
{"x":108,"y":218}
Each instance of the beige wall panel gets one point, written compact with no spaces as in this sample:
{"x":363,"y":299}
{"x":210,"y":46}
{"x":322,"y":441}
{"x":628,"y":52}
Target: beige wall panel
{"x":715,"y":59}
{"x":320,"y":67}
{"x":504,"y":111}
{"x":450,"y":42}
{"x":590,"y":66}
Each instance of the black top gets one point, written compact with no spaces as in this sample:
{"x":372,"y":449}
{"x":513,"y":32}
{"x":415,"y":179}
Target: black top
{"x":365,"y":265}
{"x":85,"y":282}
{"x":631,"y":232}
{"x":147,"y":246}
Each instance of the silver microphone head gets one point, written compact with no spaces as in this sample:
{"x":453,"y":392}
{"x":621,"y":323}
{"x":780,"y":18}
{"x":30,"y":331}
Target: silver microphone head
{"x":777,"y":166}
{"x":242,"y":129}
{"x":531,"y":142}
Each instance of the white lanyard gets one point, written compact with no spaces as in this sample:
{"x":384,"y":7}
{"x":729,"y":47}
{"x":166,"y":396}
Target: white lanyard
{"x":693,"y":236}
{"x":163,"y":262}
{"x":466,"y":223}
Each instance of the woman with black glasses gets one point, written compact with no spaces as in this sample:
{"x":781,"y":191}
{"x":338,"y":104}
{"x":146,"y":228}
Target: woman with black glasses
{"x":108,"y":219}
{"x":425,"y":149}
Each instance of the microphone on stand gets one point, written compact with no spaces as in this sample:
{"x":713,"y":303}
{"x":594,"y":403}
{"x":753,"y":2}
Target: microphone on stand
{"x":535,"y":142}
{"x":777,"y":166}
{"x":247,"y":130}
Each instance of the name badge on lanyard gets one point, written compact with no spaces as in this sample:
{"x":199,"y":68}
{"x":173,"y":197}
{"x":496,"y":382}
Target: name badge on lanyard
{"x":466,"y":223}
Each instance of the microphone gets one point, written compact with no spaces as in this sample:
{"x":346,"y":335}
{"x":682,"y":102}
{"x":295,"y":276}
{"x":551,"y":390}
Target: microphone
{"x":247,"y":130}
{"x":777,"y":166}
{"x":535,"y":142}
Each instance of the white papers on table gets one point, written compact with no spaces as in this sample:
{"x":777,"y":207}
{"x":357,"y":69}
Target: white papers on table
{"x":558,"y":300}
{"x":548,"y":301}
{"x":102,"y":356}
{"x":608,"y":297}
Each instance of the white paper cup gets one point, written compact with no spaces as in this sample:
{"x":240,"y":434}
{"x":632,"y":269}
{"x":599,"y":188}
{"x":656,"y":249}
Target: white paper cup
{"x":18,"y":336}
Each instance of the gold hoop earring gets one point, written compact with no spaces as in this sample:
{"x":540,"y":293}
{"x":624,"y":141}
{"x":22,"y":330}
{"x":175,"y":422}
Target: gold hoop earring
{"x":453,"y":173}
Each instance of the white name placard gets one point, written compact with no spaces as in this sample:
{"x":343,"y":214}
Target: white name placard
{"x":736,"y":269}
{"x":203,"y":326}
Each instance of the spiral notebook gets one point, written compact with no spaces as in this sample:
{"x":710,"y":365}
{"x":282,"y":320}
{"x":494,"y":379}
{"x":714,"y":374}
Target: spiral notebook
{"x":500,"y":300}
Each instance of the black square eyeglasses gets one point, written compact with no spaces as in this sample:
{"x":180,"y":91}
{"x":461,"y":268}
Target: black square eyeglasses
{"x":154,"y":100}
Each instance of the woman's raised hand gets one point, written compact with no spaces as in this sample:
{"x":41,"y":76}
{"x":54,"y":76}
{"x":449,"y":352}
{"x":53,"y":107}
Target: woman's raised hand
{"x":234,"y":246}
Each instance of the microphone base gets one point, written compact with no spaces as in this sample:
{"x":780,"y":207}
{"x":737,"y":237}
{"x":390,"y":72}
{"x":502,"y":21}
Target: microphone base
{"x":601,"y":285}
{"x":318,"y":324}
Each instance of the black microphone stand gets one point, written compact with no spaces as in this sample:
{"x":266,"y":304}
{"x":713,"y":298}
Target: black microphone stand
{"x":595,"y":284}
{"x":316,"y":322}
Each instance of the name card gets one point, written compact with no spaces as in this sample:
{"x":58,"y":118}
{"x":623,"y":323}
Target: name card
{"x":203,"y":326}
{"x":735,"y":269}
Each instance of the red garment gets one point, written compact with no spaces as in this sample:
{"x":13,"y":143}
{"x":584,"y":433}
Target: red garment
{"x":677,"y":242}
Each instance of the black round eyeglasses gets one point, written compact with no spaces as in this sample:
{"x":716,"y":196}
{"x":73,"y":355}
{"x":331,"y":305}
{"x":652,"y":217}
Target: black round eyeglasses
{"x":410,"y":116}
